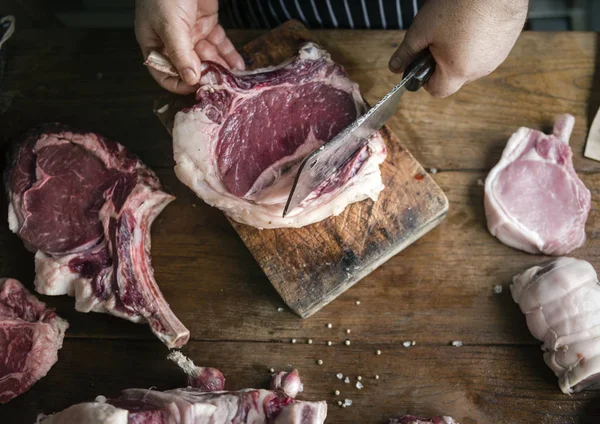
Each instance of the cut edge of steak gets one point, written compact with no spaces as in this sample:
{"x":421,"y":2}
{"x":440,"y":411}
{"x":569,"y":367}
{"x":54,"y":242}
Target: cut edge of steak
{"x":30,"y":336}
{"x":85,"y":205}
{"x":240,"y":147}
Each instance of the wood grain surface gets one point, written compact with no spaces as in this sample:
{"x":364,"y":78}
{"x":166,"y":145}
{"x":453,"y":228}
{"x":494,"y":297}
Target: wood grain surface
{"x":437,"y":291}
{"x":311,"y":266}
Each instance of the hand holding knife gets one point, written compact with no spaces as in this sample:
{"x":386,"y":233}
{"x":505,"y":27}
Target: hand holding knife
{"x":331,"y":156}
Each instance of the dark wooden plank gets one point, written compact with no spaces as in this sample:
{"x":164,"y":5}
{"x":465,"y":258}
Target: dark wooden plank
{"x":474,"y":384}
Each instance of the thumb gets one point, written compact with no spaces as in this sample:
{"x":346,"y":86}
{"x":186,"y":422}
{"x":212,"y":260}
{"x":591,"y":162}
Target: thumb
{"x":410,"y":47}
{"x":443,"y":85}
{"x":179,"y":48}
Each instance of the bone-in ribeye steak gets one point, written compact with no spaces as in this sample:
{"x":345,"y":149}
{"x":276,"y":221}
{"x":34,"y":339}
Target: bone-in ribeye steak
{"x":30,"y":336}
{"x":195,"y":406}
{"x":240,"y":147}
{"x":534,"y":200}
{"x":85,"y":205}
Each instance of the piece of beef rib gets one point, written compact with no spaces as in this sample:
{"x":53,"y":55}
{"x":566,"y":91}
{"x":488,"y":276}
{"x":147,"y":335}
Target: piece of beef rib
{"x":196,"y":406}
{"x":239,"y":148}
{"x":534,"y":200}
{"x":85,"y":205}
{"x":30,"y":336}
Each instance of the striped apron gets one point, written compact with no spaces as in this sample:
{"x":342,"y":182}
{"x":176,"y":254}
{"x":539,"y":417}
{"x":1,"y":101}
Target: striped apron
{"x":346,"y":14}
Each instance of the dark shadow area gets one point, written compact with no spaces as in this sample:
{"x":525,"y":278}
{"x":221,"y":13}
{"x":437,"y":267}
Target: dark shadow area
{"x":591,"y":412}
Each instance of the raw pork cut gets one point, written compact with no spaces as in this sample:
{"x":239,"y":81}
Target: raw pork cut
{"x":239,"y":148}
{"x":30,"y":337}
{"x":85,"y":206}
{"x":534,"y":200}
{"x":194,"y":406}
{"x":561,"y":301}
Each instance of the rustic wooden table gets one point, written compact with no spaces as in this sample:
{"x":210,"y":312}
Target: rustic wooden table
{"x":438,"y":290}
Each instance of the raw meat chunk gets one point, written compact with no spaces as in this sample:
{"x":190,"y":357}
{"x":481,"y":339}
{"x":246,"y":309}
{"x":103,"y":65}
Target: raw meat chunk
{"x":203,"y":378}
{"x":239,"y":148}
{"x":561,"y":301}
{"x":30,"y":336}
{"x":85,"y":206}
{"x":194,"y":406}
{"x":534,"y":200}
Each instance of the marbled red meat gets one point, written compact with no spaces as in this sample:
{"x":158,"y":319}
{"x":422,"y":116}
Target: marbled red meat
{"x":30,"y":336}
{"x":240,"y":147}
{"x":85,"y":205}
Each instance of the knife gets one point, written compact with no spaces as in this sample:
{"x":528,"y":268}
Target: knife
{"x":331,"y":156}
{"x":592,"y":145}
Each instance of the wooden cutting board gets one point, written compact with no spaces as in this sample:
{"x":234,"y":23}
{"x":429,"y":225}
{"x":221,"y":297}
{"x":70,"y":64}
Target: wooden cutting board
{"x":309,"y":267}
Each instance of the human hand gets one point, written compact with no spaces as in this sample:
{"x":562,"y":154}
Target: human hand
{"x":467,"y":38}
{"x":187,"y":31}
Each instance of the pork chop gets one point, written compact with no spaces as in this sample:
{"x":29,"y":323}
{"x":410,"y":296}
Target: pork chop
{"x":534,"y":200}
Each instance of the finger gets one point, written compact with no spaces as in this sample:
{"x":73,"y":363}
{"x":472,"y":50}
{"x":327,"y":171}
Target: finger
{"x":226,"y":48}
{"x":410,"y":47}
{"x":207,"y":51}
{"x":173,"y":84}
{"x":443,"y":85}
{"x":412,"y":44}
{"x":179,"y":48}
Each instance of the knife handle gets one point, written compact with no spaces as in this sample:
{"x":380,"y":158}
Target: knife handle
{"x":425,"y":65}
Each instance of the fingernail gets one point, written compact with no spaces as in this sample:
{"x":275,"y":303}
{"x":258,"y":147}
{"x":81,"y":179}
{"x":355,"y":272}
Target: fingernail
{"x":189,"y":76}
{"x":395,"y":63}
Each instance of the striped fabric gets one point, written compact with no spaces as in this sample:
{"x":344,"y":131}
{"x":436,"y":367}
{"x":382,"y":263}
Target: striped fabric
{"x":347,"y":14}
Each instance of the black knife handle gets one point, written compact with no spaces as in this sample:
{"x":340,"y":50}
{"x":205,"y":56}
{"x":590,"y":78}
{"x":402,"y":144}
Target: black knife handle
{"x":425,"y":63}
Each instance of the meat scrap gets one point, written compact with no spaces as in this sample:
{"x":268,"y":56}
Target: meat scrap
{"x":85,"y":206}
{"x":239,"y":148}
{"x":534,"y":200}
{"x":288,"y":382}
{"x":561,"y":301}
{"x":411,"y":419}
{"x":193,"y":406}
{"x":30,"y":336}
{"x":203,"y":378}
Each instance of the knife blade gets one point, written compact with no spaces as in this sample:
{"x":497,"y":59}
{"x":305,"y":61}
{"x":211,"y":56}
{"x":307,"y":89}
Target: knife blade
{"x":331,"y":156}
{"x":592,"y":145}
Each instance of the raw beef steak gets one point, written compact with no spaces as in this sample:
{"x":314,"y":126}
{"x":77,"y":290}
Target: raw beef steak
{"x":85,"y":206}
{"x":534,"y":200}
{"x":239,"y":148}
{"x":195,"y":406}
{"x":561,"y":301}
{"x":30,"y":337}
